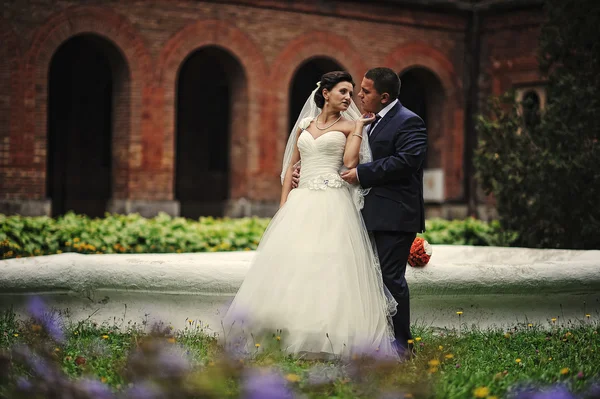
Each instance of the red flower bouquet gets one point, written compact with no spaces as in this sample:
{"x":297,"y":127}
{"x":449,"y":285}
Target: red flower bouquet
{"x":420,"y":253}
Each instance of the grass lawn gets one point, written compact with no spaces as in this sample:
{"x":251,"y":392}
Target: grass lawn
{"x":190,"y":363}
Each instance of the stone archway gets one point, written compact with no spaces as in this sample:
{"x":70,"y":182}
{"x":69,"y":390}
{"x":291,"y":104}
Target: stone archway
{"x":86,"y":84}
{"x":130,"y":95}
{"x":208,"y":83}
{"x":438,"y":75}
{"x":247,"y":103}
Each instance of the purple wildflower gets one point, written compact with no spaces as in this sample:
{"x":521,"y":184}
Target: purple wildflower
{"x":49,"y":320}
{"x":23,"y":384}
{"x":266,"y":384}
{"x":95,"y":389}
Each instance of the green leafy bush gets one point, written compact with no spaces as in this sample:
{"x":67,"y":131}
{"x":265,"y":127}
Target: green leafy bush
{"x":543,"y":170}
{"x":31,"y":236}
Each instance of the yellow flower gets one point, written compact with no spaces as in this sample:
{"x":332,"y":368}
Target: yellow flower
{"x":518,"y":360}
{"x":432,"y":370}
{"x":76,"y":239}
{"x":549,"y":358}
{"x":529,"y":325}
{"x":507,"y":335}
{"x":16,"y":335}
{"x":75,"y":333}
{"x":449,"y":356}
{"x":105,"y":336}
{"x":190,"y":321}
{"x":278,"y":338}
{"x":553,"y":319}
{"x":292,"y":377}
{"x":68,"y":243}
{"x":257,"y":345}
{"x":459,"y":312}
{"x":56,"y":349}
{"x":440,"y":347}
{"x":481,"y":392}
{"x":411,"y":341}
{"x":588,"y":315}
{"x":418,"y":339}
{"x":564,"y":371}
{"x":434,"y":363}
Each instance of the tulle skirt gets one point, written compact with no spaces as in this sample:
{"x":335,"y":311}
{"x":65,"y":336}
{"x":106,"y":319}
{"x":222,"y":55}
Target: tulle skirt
{"x":314,"y":287}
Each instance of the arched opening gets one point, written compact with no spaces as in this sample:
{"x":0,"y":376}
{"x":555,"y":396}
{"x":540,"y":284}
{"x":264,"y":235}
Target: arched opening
{"x":87,"y":111}
{"x":531,"y":109}
{"x":211,"y":101}
{"x":422,"y":92}
{"x":304,"y":82}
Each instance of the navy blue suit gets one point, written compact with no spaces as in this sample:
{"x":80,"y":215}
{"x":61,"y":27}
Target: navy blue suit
{"x":394,"y":209}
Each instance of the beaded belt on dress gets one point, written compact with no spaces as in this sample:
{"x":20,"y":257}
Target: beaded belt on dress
{"x":322,"y":182}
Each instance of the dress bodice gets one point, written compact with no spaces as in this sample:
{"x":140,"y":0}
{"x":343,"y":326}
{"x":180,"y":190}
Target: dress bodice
{"x":321,"y":159}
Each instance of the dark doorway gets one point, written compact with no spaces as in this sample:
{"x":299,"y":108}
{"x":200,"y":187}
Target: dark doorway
{"x":80,"y":124}
{"x":209,"y":82}
{"x":422,"y":93}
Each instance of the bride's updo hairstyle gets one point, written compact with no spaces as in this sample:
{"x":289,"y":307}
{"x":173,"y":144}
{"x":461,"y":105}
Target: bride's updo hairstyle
{"x":329,"y":81}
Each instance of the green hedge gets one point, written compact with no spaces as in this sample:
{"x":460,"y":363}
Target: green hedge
{"x":30,"y":236}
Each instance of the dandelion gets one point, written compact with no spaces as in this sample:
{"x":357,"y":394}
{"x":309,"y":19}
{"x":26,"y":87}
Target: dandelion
{"x":440,"y":347}
{"x":529,"y":325}
{"x":434,"y":363}
{"x":459,"y":312}
{"x":257,"y":345}
{"x":507,"y":335}
{"x":105,"y":336}
{"x":549,"y":358}
{"x":449,"y":356}
{"x":292,"y":377}
{"x":481,"y":392}
{"x":564,"y":371}
{"x":418,"y":339}
{"x":76,"y":239}
{"x":411,"y":341}
{"x":432,"y":370}
{"x":553,"y":319}
{"x":16,"y":335}
{"x":588,"y":315}
{"x":518,"y":360}
{"x":278,"y":338}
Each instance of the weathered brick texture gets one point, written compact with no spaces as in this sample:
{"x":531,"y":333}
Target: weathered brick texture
{"x":270,"y":40}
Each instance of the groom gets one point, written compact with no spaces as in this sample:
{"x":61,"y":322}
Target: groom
{"x":393,"y":209}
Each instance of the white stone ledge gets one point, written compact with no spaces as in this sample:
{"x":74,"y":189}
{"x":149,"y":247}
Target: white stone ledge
{"x":493,"y":286}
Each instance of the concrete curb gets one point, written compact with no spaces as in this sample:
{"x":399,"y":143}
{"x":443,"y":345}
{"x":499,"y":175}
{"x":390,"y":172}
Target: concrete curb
{"x":492,"y":286}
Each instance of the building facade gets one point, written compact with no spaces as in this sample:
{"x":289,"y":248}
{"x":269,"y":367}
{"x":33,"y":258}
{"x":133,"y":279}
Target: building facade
{"x":185,"y":106}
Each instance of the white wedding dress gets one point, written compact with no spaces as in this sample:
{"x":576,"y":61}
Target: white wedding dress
{"x":314,"y":281}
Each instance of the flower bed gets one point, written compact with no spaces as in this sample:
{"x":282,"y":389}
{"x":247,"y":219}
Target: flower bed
{"x":32,"y":236}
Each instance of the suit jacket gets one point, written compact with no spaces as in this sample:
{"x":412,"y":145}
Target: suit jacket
{"x":395,"y":176}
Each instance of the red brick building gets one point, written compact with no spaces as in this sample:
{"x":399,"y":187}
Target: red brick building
{"x":184,"y":106}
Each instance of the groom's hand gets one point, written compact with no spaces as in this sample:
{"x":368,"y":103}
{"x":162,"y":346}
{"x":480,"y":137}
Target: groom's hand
{"x":350,"y":176}
{"x":296,"y":177}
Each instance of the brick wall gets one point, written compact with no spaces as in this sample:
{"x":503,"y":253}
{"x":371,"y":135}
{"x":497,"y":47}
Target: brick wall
{"x":269,"y":39}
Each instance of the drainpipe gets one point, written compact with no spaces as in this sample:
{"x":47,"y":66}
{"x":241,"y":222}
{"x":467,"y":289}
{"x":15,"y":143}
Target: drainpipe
{"x":472,"y":61}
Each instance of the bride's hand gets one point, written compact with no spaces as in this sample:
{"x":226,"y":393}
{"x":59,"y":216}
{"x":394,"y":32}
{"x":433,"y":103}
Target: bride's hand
{"x":367,"y":118}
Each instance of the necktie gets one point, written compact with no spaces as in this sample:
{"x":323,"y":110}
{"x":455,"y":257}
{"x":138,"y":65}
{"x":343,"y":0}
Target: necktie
{"x":372,"y":126}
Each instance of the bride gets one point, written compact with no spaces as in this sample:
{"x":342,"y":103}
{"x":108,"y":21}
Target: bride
{"x":314,"y":286}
